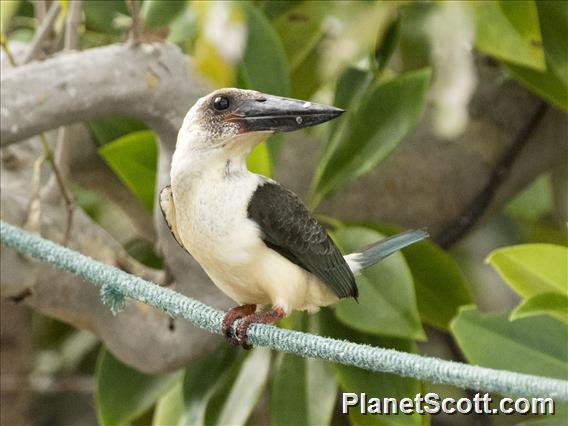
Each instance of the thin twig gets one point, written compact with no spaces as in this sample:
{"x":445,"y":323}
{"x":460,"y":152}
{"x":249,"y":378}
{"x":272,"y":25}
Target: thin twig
{"x":34,"y":209}
{"x":477,"y":207}
{"x":40,"y":10}
{"x":42,"y":32}
{"x":72,"y":25}
{"x":62,"y":147}
{"x":69,"y":204}
{"x":134,"y":9}
{"x":6,"y":51}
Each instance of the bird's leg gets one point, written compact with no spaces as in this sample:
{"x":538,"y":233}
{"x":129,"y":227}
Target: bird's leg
{"x":234,"y":314}
{"x":266,"y":317}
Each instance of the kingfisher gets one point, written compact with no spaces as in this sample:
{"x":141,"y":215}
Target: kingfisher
{"x":255,"y":239}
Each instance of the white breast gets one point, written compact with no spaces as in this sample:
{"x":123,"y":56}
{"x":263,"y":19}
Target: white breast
{"x":212,"y":221}
{"x":211,"y":212}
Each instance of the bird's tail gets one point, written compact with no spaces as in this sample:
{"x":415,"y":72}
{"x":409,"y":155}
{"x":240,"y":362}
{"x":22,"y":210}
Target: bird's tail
{"x":371,"y":254}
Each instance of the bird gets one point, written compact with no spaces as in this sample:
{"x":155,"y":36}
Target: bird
{"x":255,"y":239}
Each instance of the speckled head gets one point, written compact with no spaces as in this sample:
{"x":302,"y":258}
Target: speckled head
{"x":229,"y":113}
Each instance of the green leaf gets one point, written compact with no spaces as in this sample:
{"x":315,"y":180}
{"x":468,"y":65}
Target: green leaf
{"x":440,"y":285}
{"x":306,"y":77}
{"x":534,"y":202}
{"x":159,"y":13}
{"x":553,"y":17}
{"x":7,"y":9}
{"x":414,"y":37}
{"x":551,"y":84}
{"x":380,"y":385}
{"x":144,"y":252}
{"x":264,"y":66}
{"x":385,"y":115}
{"x":107,"y":129}
{"x":351,"y":85}
{"x":184,"y":29}
{"x":510,"y":32}
{"x":122,"y":393}
{"x":532,"y":269}
{"x":387,"y":45}
{"x":259,"y":161}
{"x":273,"y":9}
{"x":303,"y":390}
{"x":246,"y":389}
{"x":25,"y":35}
{"x":535,"y":345}
{"x":99,"y":16}
{"x":545,"y":230}
{"x":224,"y":388}
{"x":350,"y":88}
{"x":89,"y":201}
{"x":169,"y":407}
{"x":203,"y":378}
{"x":133,"y":158}
{"x":300,"y":29}
{"x":559,"y":418}
{"x":553,"y":304}
{"x":387,"y":303}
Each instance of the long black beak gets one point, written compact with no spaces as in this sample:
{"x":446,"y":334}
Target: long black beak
{"x":273,"y":113}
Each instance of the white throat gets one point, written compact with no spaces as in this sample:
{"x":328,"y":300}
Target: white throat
{"x":196,"y":157}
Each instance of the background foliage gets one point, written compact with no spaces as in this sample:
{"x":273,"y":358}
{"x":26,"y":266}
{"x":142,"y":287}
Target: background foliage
{"x":383,"y":70}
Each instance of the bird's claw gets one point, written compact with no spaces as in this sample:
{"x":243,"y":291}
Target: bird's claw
{"x":247,"y":316}
{"x":232,"y":315}
{"x":241,"y":334}
{"x":239,"y":342}
{"x":239,"y":339}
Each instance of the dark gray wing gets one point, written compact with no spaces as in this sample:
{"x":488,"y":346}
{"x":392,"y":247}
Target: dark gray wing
{"x":290,"y":229}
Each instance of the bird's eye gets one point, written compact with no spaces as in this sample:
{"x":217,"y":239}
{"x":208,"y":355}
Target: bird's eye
{"x":220,"y":103}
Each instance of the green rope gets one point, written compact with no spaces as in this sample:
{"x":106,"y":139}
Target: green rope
{"x":116,"y":285}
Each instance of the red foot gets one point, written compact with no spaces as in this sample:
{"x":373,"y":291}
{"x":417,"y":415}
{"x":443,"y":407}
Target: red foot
{"x":234,"y":314}
{"x":266,"y":317}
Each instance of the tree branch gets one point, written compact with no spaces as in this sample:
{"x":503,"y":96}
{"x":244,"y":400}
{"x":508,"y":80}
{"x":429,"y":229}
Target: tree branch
{"x":58,"y":180}
{"x":140,"y":336}
{"x":42,"y":32}
{"x":151,"y":83}
{"x":429,"y":182}
{"x":455,"y":230}
{"x":40,"y":10}
{"x":134,"y":10}
{"x":72,"y":25}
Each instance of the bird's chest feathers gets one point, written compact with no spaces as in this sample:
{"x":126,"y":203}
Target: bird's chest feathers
{"x":211,"y":211}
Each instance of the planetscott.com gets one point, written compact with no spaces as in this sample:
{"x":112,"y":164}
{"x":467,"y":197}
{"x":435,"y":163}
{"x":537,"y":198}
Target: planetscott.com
{"x":431,"y":403}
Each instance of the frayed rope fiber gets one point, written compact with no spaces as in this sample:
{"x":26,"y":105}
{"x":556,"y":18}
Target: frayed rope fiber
{"x":116,"y":285}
